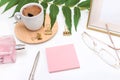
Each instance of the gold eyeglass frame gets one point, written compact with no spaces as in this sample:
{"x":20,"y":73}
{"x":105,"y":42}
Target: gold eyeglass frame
{"x":113,"y":47}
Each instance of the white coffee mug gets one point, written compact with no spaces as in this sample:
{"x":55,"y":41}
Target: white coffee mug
{"x":31,"y":23}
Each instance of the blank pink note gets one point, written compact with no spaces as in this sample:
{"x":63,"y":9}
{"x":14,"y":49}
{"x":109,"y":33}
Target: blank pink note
{"x":61,"y":58}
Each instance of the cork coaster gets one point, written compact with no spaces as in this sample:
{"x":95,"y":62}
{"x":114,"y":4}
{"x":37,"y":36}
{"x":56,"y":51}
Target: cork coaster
{"x":39,"y":36}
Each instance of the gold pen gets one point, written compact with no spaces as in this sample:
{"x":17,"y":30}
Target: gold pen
{"x":32,"y":73}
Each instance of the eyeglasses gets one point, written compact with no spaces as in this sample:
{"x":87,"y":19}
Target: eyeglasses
{"x":109,"y":54}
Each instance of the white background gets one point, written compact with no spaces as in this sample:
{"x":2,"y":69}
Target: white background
{"x":91,"y":66}
{"x":110,"y":13}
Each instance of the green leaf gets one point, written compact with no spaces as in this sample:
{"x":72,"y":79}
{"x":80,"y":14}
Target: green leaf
{"x":11,"y":4}
{"x":59,"y":2}
{"x":2,"y":2}
{"x":53,"y":14}
{"x":35,"y":1}
{"x":47,"y":0}
{"x":77,"y":16}
{"x":45,"y":5}
{"x":67,"y":14}
{"x":71,"y":3}
{"x":84,"y":4}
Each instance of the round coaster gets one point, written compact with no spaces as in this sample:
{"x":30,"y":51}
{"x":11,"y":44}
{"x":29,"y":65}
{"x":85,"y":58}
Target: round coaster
{"x":39,"y":36}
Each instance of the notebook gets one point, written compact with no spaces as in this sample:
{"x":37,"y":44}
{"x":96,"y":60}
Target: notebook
{"x":60,"y":58}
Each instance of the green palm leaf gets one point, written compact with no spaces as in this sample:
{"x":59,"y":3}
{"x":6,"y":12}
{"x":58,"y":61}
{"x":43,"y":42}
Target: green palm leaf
{"x":2,"y":2}
{"x":35,"y":1}
{"x":67,"y":14}
{"x":59,"y":2}
{"x":77,"y":16}
{"x":47,"y":0}
{"x":11,"y":4}
{"x":71,"y":3}
{"x":85,"y":4}
{"x":53,"y":14}
{"x":45,"y":5}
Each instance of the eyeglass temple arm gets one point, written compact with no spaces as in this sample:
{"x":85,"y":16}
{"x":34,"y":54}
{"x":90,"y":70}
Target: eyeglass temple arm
{"x":112,"y":42}
{"x":101,"y":41}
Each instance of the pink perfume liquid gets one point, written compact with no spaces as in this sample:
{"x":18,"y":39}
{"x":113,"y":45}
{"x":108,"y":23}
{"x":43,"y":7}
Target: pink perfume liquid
{"x":7,"y":49}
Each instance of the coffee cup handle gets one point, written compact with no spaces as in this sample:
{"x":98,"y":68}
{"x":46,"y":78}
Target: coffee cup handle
{"x":17,"y":16}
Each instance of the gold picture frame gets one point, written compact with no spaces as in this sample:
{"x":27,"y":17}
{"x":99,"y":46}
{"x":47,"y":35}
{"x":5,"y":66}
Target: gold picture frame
{"x":104,"y":12}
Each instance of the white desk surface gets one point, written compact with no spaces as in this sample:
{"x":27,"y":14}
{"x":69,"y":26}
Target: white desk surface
{"x":91,"y":66}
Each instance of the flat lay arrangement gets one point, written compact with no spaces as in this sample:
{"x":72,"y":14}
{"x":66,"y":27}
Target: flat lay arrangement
{"x":59,"y":40}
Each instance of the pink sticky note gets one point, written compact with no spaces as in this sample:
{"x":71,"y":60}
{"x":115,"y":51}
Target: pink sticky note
{"x":61,"y":58}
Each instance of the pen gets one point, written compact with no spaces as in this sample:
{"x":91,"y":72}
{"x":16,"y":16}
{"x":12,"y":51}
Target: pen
{"x":32,"y":73}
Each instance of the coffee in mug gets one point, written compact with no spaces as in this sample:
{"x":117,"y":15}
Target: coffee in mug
{"x":32,"y":16}
{"x":31,"y":11}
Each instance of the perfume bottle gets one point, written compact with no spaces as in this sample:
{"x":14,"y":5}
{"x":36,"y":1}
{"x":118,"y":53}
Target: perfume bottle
{"x":8,"y":49}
